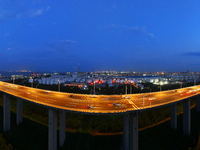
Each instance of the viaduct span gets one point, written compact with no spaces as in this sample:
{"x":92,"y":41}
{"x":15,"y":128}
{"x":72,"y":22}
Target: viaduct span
{"x":129,"y":105}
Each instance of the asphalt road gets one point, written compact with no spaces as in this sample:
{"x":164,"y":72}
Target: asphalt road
{"x":99,"y":103}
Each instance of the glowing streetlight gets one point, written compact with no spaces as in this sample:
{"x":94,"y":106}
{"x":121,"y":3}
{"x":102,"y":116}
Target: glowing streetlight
{"x":161,"y":83}
{"x":143,"y":100}
{"x":36,"y":91}
{"x":13,"y":79}
{"x":59,"y":85}
{"x":130,"y":88}
{"x":31,"y":81}
{"x":94,"y":87}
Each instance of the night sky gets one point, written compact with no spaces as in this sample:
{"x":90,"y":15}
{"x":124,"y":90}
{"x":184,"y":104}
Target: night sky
{"x":136,"y":35}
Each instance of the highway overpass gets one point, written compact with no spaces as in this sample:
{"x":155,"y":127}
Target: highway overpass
{"x":129,"y":105}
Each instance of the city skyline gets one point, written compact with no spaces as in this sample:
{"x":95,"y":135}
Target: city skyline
{"x":61,"y":36}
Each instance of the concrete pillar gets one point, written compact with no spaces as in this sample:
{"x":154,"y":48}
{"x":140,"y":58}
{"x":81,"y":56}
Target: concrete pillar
{"x":19,"y":111}
{"x":6,"y":113}
{"x":134,"y":131}
{"x":52,"y":135}
{"x":186,"y":117}
{"x":126,"y":131}
{"x":198,"y":103}
{"x":62,"y":128}
{"x":174,"y":116}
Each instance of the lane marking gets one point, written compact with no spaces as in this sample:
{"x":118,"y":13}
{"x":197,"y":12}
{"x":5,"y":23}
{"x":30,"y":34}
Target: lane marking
{"x":133,"y":104}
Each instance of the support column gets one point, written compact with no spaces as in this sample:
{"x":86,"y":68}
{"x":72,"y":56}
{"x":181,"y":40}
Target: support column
{"x":186,"y":117}
{"x":6,"y":113}
{"x":62,"y":128}
{"x":126,"y":131}
{"x":174,"y":116}
{"x":52,"y":135}
{"x":134,"y":131}
{"x":19,"y":111}
{"x":198,"y":103}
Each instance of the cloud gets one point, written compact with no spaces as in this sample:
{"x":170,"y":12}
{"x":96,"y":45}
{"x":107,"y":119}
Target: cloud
{"x":6,"y":15}
{"x":114,"y":6}
{"x":47,"y":8}
{"x":68,"y":41}
{"x":23,"y":13}
{"x":139,"y":30}
{"x":151,"y":34}
{"x":136,"y":29}
{"x":63,"y":46}
{"x":38,"y":12}
{"x":110,"y":26}
{"x":193,"y":54}
{"x":30,"y":13}
{"x":7,"y":34}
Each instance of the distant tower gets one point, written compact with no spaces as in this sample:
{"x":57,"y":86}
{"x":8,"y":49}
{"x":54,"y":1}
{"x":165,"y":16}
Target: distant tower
{"x":78,"y":69}
{"x":92,"y":71}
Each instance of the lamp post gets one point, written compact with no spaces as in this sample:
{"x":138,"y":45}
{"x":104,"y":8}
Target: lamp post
{"x":13,"y":79}
{"x":161,"y":83}
{"x":143,"y":100}
{"x":130,"y":88}
{"x":36,"y":91}
{"x":150,"y":89}
{"x":94,"y":87}
{"x":90,"y":99}
{"x":31,"y":81}
{"x":126,"y":89}
{"x":194,"y":82}
{"x":59,"y":85}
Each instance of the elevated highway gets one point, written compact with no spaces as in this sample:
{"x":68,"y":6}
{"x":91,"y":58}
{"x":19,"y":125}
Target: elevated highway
{"x":99,"y":103}
{"x":129,"y":105}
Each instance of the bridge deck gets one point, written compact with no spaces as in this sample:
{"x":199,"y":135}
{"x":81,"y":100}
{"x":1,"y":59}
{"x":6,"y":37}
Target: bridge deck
{"x":99,"y":103}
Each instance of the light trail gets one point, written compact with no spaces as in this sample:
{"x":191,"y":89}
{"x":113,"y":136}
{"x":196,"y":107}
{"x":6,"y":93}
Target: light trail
{"x":99,"y":103}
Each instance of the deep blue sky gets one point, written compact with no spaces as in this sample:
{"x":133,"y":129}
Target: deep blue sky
{"x":137,"y":35}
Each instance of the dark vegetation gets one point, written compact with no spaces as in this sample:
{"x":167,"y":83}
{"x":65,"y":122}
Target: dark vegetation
{"x":4,"y":145}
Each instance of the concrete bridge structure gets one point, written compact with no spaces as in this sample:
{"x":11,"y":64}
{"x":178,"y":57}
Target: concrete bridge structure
{"x":128,"y":105}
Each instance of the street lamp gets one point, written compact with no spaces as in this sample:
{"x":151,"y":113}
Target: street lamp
{"x":13,"y":79}
{"x":36,"y":91}
{"x":130,"y":88}
{"x":161,"y":83}
{"x":143,"y":100}
{"x":150,"y":89}
{"x":94,"y":87}
{"x":194,"y":82}
{"x":31,"y":81}
{"x":59,"y":85}
{"x":126,"y":89}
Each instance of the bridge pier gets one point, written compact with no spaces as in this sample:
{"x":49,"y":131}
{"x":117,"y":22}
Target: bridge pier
{"x":6,"y":113}
{"x":134,"y":131}
{"x":62,"y":128}
{"x":52,"y":135}
{"x":186,"y":117}
{"x":126,"y":131}
{"x":174,"y":116}
{"x":130,"y":131}
{"x":198,"y":103}
{"x":19,"y":111}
